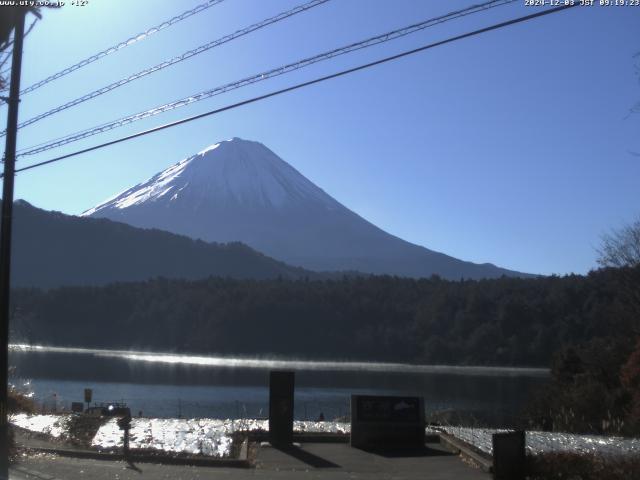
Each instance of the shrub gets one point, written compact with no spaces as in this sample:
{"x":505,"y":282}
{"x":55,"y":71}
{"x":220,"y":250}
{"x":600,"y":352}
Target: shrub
{"x":19,"y":402}
{"x":574,"y":466}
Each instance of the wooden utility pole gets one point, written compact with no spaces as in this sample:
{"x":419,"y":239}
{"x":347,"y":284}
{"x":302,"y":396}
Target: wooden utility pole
{"x":5,"y":232}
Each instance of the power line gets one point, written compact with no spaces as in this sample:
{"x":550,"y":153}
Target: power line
{"x":167,"y":63}
{"x":385,"y":37}
{"x":303,"y":84}
{"x":263,"y":76}
{"x":130,"y":41}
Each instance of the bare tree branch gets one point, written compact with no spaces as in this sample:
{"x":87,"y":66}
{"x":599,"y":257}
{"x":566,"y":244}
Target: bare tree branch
{"x":621,"y":248}
{"x":4,"y":46}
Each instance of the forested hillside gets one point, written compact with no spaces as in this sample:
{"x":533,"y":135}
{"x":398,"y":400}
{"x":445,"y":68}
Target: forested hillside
{"x":506,"y":321}
{"x":51,"y":249}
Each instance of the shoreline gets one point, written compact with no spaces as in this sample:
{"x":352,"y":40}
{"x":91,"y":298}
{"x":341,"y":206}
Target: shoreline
{"x":266,"y":363}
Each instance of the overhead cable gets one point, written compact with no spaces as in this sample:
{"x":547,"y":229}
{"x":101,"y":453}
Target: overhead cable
{"x":259,"y":77}
{"x":173,"y":61}
{"x":300,"y":85}
{"x":130,"y":41}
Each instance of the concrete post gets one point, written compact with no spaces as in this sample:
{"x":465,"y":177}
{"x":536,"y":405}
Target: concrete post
{"x":281,"y":388}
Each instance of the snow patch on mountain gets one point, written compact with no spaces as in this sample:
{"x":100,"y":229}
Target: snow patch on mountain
{"x":237,"y":170}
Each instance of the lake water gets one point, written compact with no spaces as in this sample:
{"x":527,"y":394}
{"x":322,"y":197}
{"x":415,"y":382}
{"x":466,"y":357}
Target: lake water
{"x":167,"y":385}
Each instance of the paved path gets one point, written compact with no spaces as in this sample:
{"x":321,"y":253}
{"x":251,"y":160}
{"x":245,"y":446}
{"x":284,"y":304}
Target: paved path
{"x":340,"y":461}
{"x":326,"y":461}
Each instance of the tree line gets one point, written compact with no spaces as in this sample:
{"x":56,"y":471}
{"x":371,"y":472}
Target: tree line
{"x":506,"y":321}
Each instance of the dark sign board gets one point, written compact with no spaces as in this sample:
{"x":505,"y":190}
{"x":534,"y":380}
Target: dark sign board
{"x":281,"y":387}
{"x":77,"y":407}
{"x":509,"y":455}
{"x":387,"y":422}
{"x":88,"y":393}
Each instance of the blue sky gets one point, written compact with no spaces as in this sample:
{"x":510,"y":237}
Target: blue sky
{"x":514,"y":147}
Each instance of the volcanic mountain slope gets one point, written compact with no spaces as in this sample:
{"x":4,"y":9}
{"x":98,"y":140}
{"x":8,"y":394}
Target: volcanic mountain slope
{"x":239,"y":190}
{"x":51,"y":249}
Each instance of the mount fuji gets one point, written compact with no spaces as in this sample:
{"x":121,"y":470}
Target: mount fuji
{"x":239,"y":190}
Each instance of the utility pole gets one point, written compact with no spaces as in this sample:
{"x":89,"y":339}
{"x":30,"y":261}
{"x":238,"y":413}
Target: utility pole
{"x":5,"y":232}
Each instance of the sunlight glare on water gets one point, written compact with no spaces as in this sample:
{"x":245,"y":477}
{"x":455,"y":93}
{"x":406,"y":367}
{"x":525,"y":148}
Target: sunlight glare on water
{"x":261,"y":363}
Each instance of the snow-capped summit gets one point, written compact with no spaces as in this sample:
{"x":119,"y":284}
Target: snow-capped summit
{"x":239,"y":190}
{"x":233,"y":172}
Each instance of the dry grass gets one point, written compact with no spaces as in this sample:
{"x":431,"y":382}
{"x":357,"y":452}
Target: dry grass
{"x":17,"y":403}
{"x":20,"y":403}
{"x":82,"y":429}
{"x":573,"y":466}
